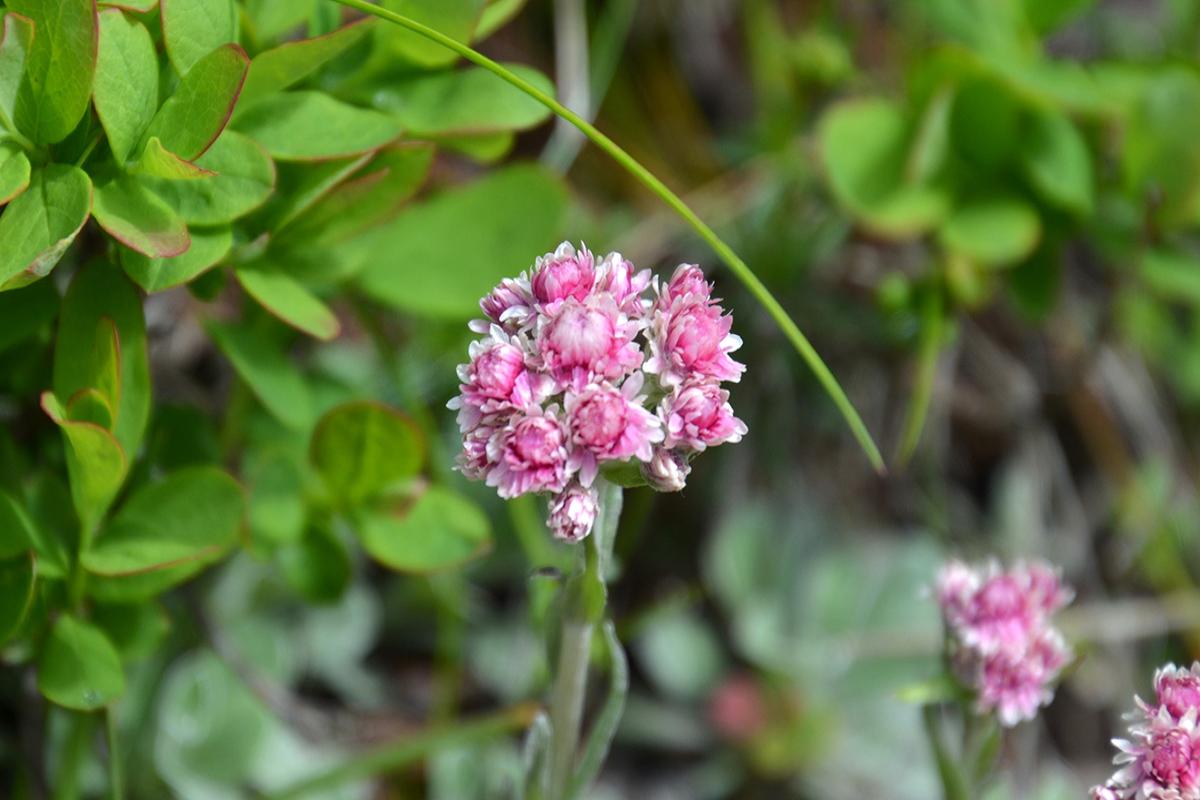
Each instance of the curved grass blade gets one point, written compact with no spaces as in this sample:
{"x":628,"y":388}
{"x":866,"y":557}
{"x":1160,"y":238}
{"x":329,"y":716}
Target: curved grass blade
{"x":739,"y":267}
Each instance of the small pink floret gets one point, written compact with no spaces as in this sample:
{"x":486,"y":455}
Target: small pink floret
{"x":572,"y":513}
{"x":529,"y":454}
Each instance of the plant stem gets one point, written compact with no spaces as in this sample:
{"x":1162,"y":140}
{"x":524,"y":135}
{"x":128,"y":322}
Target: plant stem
{"x":75,"y":751}
{"x":739,"y":267}
{"x":954,"y":782}
{"x":566,"y":702}
{"x":115,"y":783}
{"x":394,"y":755}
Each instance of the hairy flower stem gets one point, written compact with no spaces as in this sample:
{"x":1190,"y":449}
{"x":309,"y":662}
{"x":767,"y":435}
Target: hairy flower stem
{"x":583,"y":610}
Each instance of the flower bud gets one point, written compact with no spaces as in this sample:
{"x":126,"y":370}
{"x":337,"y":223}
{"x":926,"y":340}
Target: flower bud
{"x":667,"y":471}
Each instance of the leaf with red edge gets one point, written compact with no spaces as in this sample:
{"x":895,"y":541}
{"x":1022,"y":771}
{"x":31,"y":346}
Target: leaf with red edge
{"x":194,"y":28}
{"x":58,"y":73}
{"x":38,"y":227}
{"x":192,"y":118}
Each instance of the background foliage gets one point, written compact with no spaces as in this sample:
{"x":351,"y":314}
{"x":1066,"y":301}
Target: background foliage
{"x":239,"y":247}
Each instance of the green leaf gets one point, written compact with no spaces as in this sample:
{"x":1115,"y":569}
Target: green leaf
{"x":1159,"y":155}
{"x":290,"y":301}
{"x":486,"y":149}
{"x":1048,"y":15}
{"x":192,"y":118}
{"x":38,"y":227}
{"x":14,"y":172}
{"x":58,"y":74}
{"x":139,"y":219}
{"x":53,"y":516}
{"x":242,"y":178}
{"x":362,"y":448}
{"x":100,"y":291}
{"x":275,"y":70}
{"x":454,"y":18}
{"x":277,"y":511}
{"x":135,"y":629}
{"x":19,"y":533}
{"x":157,"y":161}
{"x":441,"y":530}
{"x":192,"y":515}
{"x":265,"y":367}
{"x":992,"y":232}
{"x":17,"y":578}
{"x":467,"y":101}
{"x":79,"y":668}
{"x":302,"y":126}
{"x":126,"y":86}
{"x":317,"y":566}
{"x":15,"y":44}
{"x":1056,"y":159}
{"x":96,"y":463}
{"x":1172,"y":275}
{"x":864,"y":148}
{"x":508,"y":215}
{"x":146,"y":585}
{"x":27,"y":311}
{"x":192,"y":29}
{"x":300,"y":186}
{"x":209,"y":248}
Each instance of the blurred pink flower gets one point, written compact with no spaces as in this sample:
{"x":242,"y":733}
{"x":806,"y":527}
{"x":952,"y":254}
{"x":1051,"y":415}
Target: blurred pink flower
{"x":588,"y":341}
{"x":1177,"y":689}
{"x":572,"y":513}
{"x":690,"y":337}
{"x":1013,"y":683}
{"x":698,"y":415}
{"x":610,"y":424}
{"x":1160,"y":760}
{"x":529,"y":454}
{"x":738,"y":709}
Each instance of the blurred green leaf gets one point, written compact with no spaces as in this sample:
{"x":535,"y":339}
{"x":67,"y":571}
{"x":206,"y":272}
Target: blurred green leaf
{"x":994,"y":232}
{"x":455,"y":18}
{"x":1056,"y":159}
{"x":440,"y":531}
{"x":209,"y":247}
{"x":275,"y":70}
{"x":243,"y":177}
{"x":26,"y":311}
{"x":864,"y":148}
{"x":680,"y":655}
{"x":126,"y":88}
{"x":317,"y":566}
{"x":1160,"y":159}
{"x":289,"y":300}
{"x":275,"y":479}
{"x":265,"y":367}
{"x":95,"y":462}
{"x":192,"y":29}
{"x":193,"y":117}
{"x":466,"y":101}
{"x":38,"y":227}
{"x":508,"y":215}
{"x":306,"y":125}
{"x":17,"y":535}
{"x":191,"y":515}
{"x":137,"y":630}
{"x":1049,"y":15}
{"x":79,"y":668}
{"x":137,"y":218}
{"x":100,"y":291}
{"x":61,"y":64}
{"x":497,"y":14}
{"x":17,"y":578}
{"x":362,"y":448}
{"x":300,"y":186}
{"x":985,"y":123}
{"x":1173,"y":275}
{"x":14,"y":172}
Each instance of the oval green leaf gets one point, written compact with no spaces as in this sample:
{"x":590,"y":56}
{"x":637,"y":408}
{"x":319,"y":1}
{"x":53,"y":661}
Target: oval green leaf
{"x":191,"y":515}
{"x":38,"y":227}
{"x":1056,"y":160}
{"x":61,"y":64}
{"x":440,"y":531}
{"x":14,"y":172}
{"x":15,"y":44}
{"x":126,"y":87}
{"x":992,"y":233}
{"x":275,"y":70}
{"x":157,"y":161}
{"x":194,"y":28}
{"x":263,"y":364}
{"x":454,"y":18}
{"x":192,"y":118}
{"x":290,"y":301}
{"x":96,"y":464}
{"x":362,"y":448}
{"x":241,"y":178}
{"x":79,"y":668}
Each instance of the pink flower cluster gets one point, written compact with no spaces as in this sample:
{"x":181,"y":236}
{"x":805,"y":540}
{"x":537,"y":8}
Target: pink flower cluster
{"x":1002,"y":642}
{"x":586,"y":362}
{"x":1161,"y":759}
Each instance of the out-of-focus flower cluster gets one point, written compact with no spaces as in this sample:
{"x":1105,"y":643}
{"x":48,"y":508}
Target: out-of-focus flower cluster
{"x":586,"y":362}
{"x":1001,"y":640}
{"x":1161,"y":758}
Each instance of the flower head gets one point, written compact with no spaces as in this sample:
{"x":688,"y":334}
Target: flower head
{"x":572,"y":513}
{"x":1177,"y":689}
{"x":578,"y":367}
{"x":1159,"y":761}
{"x":1003,"y":645}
